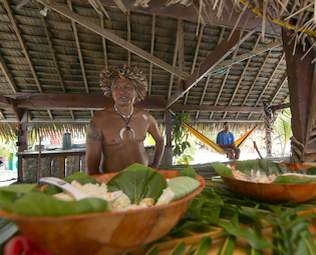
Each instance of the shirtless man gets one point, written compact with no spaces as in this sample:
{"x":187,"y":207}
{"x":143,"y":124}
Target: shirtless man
{"x":117,"y":133}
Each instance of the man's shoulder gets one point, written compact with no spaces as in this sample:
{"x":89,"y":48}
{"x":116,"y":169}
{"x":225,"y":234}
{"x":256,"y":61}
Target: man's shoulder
{"x":100,"y":116}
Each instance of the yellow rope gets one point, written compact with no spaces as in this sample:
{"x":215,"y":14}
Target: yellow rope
{"x":277,"y":21}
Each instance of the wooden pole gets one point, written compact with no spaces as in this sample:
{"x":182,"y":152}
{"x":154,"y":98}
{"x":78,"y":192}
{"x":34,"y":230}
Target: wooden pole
{"x":168,"y":148}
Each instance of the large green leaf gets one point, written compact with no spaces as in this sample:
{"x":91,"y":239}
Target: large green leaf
{"x":188,"y":171}
{"x":39,"y":204}
{"x":138,"y":182}
{"x":222,"y":170}
{"x":182,"y":186}
{"x":293,"y":178}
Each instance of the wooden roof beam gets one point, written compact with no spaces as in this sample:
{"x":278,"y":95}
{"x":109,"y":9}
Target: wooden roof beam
{"x":74,"y":29}
{"x":2,"y":116}
{"x":174,"y":59}
{"x":268,"y":82}
{"x":152,"y":48}
{"x":255,"y":80}
{"x":207,"y":81}
{"x":7,"y":74}
{"x":104,"y":44}
{"x":278,"y":88}
{"x":22,"y":44}
{"x":196,"y":54}
{"x":223,"y":84}
{"x":77,"y":101}
{"x":216,"y":56}
{"x":109,"y":35}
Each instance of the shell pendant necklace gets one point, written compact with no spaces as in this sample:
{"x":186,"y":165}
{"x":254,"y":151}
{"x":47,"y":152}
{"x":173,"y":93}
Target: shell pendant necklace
{"x":130,"y":133}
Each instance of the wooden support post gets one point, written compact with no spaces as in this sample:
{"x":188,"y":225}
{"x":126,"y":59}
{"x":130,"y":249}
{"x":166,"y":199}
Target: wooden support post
{"x":167,"y":160}
{"x":22,"y":141}
{"x":301,"y":80}
{"x":268,"y":126}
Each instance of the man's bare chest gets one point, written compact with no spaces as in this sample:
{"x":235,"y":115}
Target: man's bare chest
{"x":120,"y":130}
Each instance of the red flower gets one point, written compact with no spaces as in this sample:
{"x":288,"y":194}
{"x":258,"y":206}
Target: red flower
{"x":21,"y":245}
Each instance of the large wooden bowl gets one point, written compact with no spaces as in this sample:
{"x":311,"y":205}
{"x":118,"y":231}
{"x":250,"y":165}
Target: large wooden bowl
{"x":273,"y":192}
{"x":104,"y":233}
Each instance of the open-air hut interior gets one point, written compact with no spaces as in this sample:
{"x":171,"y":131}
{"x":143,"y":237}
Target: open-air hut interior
{"x":221,"y":62}
{"x":207,"y":62}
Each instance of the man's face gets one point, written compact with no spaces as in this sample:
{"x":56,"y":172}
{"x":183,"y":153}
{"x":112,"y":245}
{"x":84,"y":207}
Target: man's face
{"x":226,"y":127}
{"x":123,"y":92}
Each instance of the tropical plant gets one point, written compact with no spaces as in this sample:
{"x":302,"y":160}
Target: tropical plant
{"x":180,"y":134}
{"x":282,"y":128}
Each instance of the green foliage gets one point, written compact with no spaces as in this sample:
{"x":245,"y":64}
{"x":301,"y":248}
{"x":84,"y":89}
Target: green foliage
{"x":180,"y":134}
{"x":138,"y":182}
{"x":188,"y":171}
{"x":282,"y":127}
{"x":182,"y":186}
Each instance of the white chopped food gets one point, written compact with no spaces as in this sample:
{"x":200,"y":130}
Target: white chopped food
{"x":121,"y":203}
{"x":63,"y":196}
{"x":253,"y":176}
{"x":93,"y":190}
{"x":147,"y":202}
{"x":166,"y":197}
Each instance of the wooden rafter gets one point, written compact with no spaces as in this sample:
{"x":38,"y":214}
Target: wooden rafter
{"x":255,"y":80}
{"x":268,"y":82}
{"x":174,"y":59}
{"x":196,"y":53}
{"x":128,"y":22}
{"x":215,"y":57}
{"x":22,"y":44}
{"x":7,"y":74}
{"x":104,"y":44}
{"x":227,"y":63}
{"x":223,"y":84}
{"x":242,"y":76}
{"x":278,"y":88}
{"x":120,"y":4}
{"x":203,"y":94}
{"x":61,"y":9}
{"x":152,"y":48}
{"x":2,"y":116}
{"x":311,"y":119}
{"x":75,"y":32}
{"x":51,"y":47}
{"x":180,"y":55}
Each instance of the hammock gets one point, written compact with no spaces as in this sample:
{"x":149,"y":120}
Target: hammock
{"x":213,"y":145}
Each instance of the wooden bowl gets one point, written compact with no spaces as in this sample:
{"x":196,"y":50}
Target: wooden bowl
{"x":107,"y":232}
{"x":273,"y":192}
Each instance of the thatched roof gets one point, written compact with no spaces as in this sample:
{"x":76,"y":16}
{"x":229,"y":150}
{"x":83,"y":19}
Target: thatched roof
{"x":64,"y":57}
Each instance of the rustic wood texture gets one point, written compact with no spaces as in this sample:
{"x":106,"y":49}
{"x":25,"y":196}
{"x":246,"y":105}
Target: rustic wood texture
{"x":104,"y":233}
{"x":51,"y":48}
{"x":29,"y":167}
{"x":72,"y":165}
{"x":301,"y":81}
{"x":273,"y":192}
{"x":58,"y":166}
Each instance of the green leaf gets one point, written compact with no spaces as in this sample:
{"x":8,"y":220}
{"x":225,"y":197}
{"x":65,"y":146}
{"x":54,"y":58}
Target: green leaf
{"x":292,"y":178}
{"x":138,"y":182}
{"x":39,"y":204}
{"x":228,"y":246}
{"x":179,"y":249}
{"x":222,"y":170}
{"x":204,"y":245}
{"x":255,"y":239}
{"x":182,"y":186}
{"x":19,"y":188}
{"x":188,"y":171}
{"x":152,"y":251}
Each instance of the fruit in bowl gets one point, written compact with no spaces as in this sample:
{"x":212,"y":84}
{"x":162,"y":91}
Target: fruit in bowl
{"x":155,"y":202}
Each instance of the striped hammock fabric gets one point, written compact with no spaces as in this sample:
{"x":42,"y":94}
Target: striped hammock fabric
{"x":213,"y":145}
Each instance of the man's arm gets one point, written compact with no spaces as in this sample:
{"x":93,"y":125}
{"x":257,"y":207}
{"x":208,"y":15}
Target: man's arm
{"x":94,"y":149}
{"x":217,"y":138}
{"x":160,"y":143}
{"x":233,"y":138}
